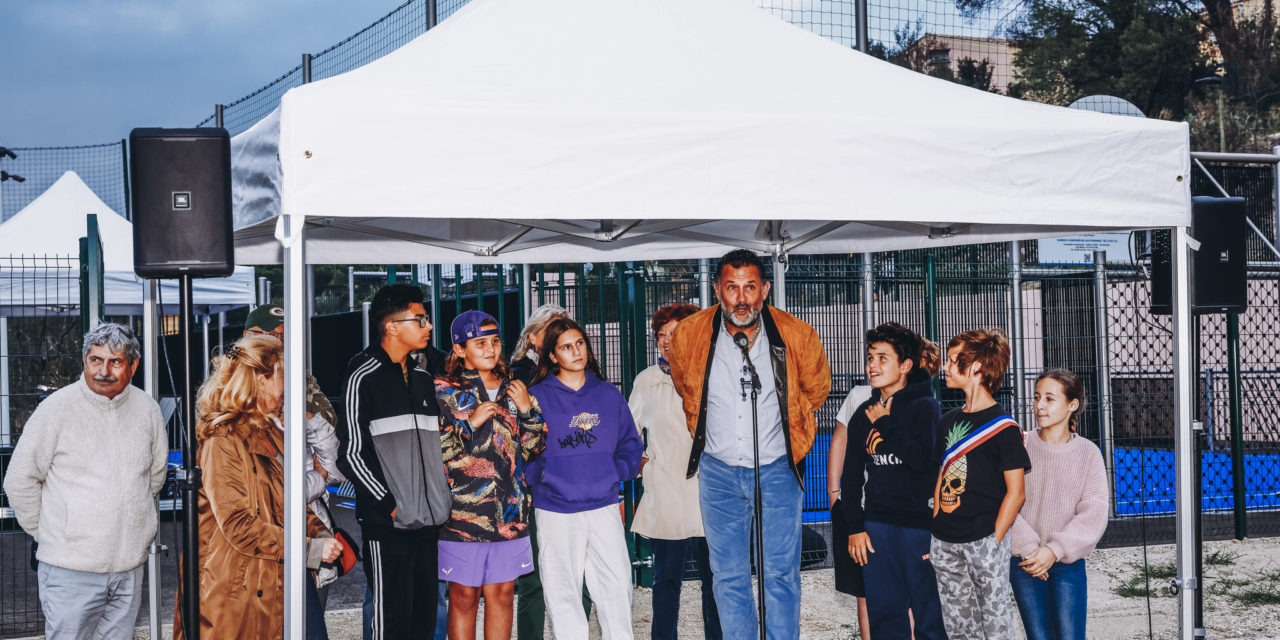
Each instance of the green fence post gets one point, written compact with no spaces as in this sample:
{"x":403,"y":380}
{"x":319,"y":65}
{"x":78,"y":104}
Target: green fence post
{"x":542,"y":284}
{"x":579,"y":275}
{"x":560,"y":288}
{"x":435,"y":306}
{"x":500,"y":274}
{"x":92,"y":305}
{"x":391,"y":274}
{"x":1239,"y":503}
{"x":931,"y":310}
{"x":602,"y":270}
{"x":457,"y":290}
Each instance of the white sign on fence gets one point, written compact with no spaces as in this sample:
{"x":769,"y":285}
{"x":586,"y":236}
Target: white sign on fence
{"x":1078,"y":250}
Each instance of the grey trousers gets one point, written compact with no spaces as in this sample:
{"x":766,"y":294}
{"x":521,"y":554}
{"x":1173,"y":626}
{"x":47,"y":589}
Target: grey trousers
{"x":973,"y":585}
{"x":87,"y":606}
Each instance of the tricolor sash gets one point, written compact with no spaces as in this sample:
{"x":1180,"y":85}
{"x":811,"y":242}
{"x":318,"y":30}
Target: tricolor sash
{"x":974,"y":438}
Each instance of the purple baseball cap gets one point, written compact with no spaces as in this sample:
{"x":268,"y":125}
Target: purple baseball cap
{"x":467,"y":326}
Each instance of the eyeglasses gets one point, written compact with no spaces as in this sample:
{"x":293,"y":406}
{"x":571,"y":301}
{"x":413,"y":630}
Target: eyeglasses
{"x":274,"y":334}
{"x":422,"y":321}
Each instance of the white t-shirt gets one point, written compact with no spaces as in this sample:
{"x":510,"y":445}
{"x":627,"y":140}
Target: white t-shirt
{"x":493,"y":393}
{"x":856,"y":397}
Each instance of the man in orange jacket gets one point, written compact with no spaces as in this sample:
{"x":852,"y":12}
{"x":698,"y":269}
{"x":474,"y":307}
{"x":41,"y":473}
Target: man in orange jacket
{"x":709,"y":369}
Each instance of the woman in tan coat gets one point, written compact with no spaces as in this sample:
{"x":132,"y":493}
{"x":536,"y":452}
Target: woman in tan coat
{"x":241,"y":502}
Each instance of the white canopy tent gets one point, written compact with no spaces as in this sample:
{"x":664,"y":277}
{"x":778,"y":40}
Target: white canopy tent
{"x":585,"y":130}
{"x":53,"y":223}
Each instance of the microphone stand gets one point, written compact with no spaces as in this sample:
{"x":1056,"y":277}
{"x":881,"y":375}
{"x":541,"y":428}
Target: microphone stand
{"x":740,"y":339}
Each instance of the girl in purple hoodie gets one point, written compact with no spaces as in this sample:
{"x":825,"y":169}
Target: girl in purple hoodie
{"x":592,"y":445}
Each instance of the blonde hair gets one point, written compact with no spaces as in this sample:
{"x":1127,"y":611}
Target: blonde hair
{"x":229,"y":401}
{"x":538,"y":320}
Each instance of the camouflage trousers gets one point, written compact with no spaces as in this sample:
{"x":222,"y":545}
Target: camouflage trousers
{"x":973,"y":584}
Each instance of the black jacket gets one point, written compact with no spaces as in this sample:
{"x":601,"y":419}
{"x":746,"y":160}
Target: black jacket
{"x":389,"y":445}
{"x":897,"y":456}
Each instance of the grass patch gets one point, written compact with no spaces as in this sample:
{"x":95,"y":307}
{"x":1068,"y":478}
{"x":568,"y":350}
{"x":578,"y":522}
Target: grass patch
{"x":1224,"y":585}
{"x":1221,"y":558}
{"x":1159,"y":570}
{"x":1256,"y":596}
{"x":1135,"y":587}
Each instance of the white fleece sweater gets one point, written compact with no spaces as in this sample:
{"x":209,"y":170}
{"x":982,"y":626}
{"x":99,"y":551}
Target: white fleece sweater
{"x":84,"y":477}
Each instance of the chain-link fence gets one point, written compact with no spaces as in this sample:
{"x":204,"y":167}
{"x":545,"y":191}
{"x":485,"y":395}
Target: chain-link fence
{"x":39,"y":352}
{"x":104,"y":167}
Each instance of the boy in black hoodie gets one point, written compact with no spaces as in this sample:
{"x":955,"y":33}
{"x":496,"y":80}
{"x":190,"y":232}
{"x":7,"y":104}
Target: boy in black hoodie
{"x":891,"y":440}
{"x":389,"y":438}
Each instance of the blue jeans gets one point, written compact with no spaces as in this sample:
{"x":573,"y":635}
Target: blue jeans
{"x":1053,"y":609}
{"x":728,"y":506}
{"x":668,"y":577}
{"x":899,"y":577}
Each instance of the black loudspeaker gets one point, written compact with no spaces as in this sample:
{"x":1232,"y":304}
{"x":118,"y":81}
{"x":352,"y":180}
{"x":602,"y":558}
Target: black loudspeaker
{"x":1218,"y":269}
{"x":181,"y":202}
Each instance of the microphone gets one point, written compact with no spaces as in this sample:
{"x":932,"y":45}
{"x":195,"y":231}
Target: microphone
{"x":740,"y":339}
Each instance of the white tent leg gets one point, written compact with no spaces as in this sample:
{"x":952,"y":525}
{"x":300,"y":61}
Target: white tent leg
{"x":1183,"y":436}
{"x":295,"y":341}
{"x":868,"y":293}
{"x":780,"y":282}
{"x":526,"y":290}
{"x":4,"y":380}
{"x":151,"y":380}
{"x":704,"y":282}
{"x":204,"y":342}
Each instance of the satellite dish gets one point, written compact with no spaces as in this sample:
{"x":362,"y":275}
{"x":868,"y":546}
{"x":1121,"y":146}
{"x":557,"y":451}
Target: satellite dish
{"x":1107,"y":104}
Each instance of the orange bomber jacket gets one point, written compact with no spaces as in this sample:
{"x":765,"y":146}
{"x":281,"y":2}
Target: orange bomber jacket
{"x":801,"y":373}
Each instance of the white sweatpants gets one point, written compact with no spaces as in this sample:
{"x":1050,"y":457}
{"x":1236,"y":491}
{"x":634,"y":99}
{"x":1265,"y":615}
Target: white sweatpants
{"x":590,"y":546}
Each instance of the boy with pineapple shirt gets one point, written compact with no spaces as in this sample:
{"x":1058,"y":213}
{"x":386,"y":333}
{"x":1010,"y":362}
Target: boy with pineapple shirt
{"x":978,"y":493}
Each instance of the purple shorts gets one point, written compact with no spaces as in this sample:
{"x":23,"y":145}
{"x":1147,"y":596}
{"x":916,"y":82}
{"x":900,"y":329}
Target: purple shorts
{"x":476,"y":564}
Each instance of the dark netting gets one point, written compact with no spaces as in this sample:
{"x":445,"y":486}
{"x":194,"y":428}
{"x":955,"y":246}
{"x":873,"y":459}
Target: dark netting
{"x":834,"y":19}
{"x":245,"y":112}
{"x":101,"y":166}
{"x":403,"y":24}
{"x":40,"y":329}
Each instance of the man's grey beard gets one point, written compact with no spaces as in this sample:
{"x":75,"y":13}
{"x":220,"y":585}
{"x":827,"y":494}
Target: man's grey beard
{"x":752,"y":316}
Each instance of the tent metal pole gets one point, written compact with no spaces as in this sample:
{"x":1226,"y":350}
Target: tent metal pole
{"x":364,"y":322}
{"x":151,"y":382}
{"x":204,"y":345}
{"x":1106,"y":429}
{"x":295,"y":341}
{"x":704,"y":283}
{"x":1185,"y":584}
{"x":1020,"y":394}
{"x":311,"y":308}
{"x":780,"y":282}
{"x":868,"y":293}
{"x":222,"y":325}
{"x":351,"y":289}
{"x":526,"y":292}
{"x":4,"y":380}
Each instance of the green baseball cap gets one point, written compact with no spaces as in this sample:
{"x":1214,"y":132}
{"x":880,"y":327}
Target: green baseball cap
{"x":266,"y":317}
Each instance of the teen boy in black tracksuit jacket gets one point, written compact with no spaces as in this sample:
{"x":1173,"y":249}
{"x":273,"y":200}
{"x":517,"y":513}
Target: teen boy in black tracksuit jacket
{"x":390,"y":450}
{"x":896,"y":454}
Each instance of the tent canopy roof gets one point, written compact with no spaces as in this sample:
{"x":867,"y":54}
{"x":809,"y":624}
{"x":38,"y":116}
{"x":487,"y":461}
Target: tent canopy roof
{"x":670,"y":112}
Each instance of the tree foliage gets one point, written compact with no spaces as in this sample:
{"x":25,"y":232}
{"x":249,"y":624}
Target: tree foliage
{"x":1145,"y":51}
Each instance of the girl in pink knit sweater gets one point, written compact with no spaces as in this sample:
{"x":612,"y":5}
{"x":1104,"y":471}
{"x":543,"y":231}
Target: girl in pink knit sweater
{"x":1062,"y":518}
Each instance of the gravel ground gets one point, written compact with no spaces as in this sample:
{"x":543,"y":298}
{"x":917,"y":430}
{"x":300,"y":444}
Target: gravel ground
{"x":1242,"y":598}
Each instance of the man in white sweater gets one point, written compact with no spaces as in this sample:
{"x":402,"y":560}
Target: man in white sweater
{"x":83,"y":481}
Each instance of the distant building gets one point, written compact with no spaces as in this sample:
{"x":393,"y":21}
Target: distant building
{"x":944,"y":56}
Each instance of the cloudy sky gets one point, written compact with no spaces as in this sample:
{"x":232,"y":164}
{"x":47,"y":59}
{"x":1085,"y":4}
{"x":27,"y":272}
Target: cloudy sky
{"x":88,"y":71}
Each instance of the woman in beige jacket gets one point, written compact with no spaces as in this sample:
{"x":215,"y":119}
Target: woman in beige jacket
{"x":669,"y":513}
